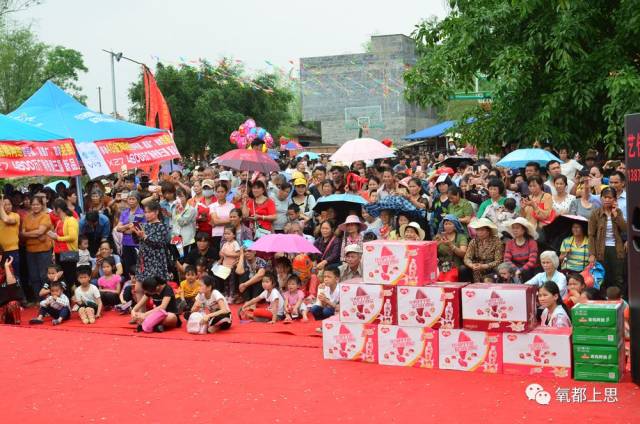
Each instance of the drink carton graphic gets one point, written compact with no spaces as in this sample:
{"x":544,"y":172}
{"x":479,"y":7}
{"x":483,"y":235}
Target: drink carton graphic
{"x":499,"y":307}
{"x":544,"y":351}
{"x":407,"y":346}
{"x":401,"y":263}
{"x":466,"y":350}
{"x":349,"y":341}
{"x":436,"y":305}
{"x":367,"y":303}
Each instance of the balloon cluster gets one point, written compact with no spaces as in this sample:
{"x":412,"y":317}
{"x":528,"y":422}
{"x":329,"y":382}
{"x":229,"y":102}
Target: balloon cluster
{"x":247,"y":133}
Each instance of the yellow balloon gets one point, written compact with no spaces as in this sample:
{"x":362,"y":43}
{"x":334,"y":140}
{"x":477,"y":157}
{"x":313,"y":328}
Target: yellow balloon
{"x":264,"y":148}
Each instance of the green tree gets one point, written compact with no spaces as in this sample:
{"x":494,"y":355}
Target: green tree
{"x":26,"y":63}
{"x":208,"y":102}
{"x":562,"y":71}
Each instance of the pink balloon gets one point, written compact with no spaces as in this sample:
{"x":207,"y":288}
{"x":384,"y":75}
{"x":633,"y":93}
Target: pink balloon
{"x":250,"y":137}
{"x":242,"y":131}
{"x":242,"y":143}
{"x":250,"y":123}
{"x":268,"y":139}
{"x":234,"y":136}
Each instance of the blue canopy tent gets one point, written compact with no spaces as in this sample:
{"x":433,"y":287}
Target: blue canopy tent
{"x":105,"y":144}
{"x":30,"y":151}
{"x":436,"y":131}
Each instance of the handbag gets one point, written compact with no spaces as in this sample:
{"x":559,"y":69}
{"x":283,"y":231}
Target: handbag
{"x":70,"y":256}
{"x":194,"y":324}
{"x":260,"y":231}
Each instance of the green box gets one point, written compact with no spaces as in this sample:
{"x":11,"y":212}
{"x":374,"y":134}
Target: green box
{"x":599,"y":336}
{"x":589,"y":354}
{"x":597,"y":372}
{"x":597,"y":314}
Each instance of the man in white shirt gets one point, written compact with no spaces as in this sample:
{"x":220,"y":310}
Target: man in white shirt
{"x":554,"y":169}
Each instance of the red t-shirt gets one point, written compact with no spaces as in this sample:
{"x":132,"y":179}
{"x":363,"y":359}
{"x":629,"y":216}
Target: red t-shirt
{"x":266,"y":208}
{"x":203,"y":219}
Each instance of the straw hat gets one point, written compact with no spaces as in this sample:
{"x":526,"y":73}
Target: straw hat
{"x":415,"y":226}
{"x":526,"y":224}
{"x":482,"y":223}
{"x":352,"y":219}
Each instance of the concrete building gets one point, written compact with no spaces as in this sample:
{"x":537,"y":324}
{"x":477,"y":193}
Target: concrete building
{"x":346,"y":92}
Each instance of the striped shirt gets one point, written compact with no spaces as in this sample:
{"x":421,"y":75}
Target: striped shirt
{"x":524,"y":257}
{"x":577,"y":257}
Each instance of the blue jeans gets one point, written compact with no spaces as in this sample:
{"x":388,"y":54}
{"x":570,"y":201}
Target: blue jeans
{"x":15,"y":254}
{"x":37,"y":264}
{"x":321,"y":312}
{"x":63,"y":313}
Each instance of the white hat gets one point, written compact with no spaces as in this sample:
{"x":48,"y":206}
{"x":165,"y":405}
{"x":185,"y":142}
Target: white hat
{"x":353,"y":248}
{"x":526,"y":224}
{"x":415,"y":226}
{"x":484,"y":222}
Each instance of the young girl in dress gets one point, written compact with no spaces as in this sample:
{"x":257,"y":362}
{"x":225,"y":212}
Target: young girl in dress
{"x":110,"y":283}
{"x":214,"y":308}
{"x":555,"y":313}
{"x":293,"y":300}
{"x":229,"y":254}
{"x":275,"y":303}
{"x":87,"y":297}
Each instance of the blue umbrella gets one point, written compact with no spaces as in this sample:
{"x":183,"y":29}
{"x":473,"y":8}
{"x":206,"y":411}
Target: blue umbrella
{"x":342,"y":204}
{"x":52,"y":185}
{"x":396,"y":204}
{"x":312,"y":155}
{"x":519,"y":158}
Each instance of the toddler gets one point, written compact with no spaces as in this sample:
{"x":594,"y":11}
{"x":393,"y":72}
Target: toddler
{"x":130,"y":293}
{"x":275,"y":303}
{"x":87,"y":297}
{"x":55,"y":305}
{"x":83,"y":251}
{"x":189,"y":289}
{"x":293,"y":300}
{"x":54,"y":275}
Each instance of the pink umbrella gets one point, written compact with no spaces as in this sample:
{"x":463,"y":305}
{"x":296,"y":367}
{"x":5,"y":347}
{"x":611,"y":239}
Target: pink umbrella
{"x":248,"y":160}
{"x":283,"y":243}
{"x":361,"y":149}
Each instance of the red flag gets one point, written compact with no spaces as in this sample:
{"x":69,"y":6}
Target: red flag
{"x":158,"y":114}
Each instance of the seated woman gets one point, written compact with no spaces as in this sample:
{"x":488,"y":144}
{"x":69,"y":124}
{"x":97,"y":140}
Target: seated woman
{"x":164,"y":314}
{"x":452,"y":246}
{"x":401,"y":219}
{"x":549,"y":261}
{"x":411,"y":232}
{"x":555,"y":313}
{"x":522,"y":250}
{"x":484,"y":253}
{"x":574,"y":250}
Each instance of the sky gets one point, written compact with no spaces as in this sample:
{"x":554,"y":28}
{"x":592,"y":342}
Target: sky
{"x":253,"y":31}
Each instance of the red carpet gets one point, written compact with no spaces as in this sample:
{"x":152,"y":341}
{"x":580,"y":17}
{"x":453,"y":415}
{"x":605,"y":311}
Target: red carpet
{"x":106,"y":373}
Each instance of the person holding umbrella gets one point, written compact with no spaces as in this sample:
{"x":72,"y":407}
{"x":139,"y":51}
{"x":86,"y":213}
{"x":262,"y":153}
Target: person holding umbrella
{"x":258,"y":207}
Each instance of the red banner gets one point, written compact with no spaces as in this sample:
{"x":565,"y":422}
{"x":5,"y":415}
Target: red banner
{"x":158,"y":115}
{"x":137,"y":152}
{"x":37,"y":159}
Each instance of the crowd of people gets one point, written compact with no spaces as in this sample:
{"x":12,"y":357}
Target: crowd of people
{"x":179,"y":248}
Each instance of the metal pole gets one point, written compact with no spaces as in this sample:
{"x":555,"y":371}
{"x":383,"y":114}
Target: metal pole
{"x":113,"y":84}
{"x":100,"y":98}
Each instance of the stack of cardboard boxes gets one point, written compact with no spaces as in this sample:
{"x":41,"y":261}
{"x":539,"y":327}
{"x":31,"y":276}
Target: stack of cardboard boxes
{"x":598,"y":341}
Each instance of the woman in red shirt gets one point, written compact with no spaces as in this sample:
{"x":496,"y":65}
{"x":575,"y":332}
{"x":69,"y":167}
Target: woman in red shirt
{"x":257,"y":206}
{"x":203,"y":198}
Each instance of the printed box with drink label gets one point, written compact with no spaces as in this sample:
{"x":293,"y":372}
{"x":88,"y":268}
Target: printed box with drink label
{"x":590,"y":354}
{"x":584,"y":371}
{"x":599,"y":336}
{"x":499,"y":307}
{"x":545,"y":351}
{"x":400,"y":263}
{"x":407,"y":346}
{"x":368,"y":303}
{"x":466,"y":350}
{"x":597,"y":314}
{"x":436,"y":305}
{"x":349,"y":341}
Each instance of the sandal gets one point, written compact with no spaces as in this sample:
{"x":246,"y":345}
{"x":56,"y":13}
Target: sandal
{"x":36,"y":321}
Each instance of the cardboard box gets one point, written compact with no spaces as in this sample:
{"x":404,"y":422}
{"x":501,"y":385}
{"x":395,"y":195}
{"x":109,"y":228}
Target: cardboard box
{"x":466,"y":350}
{"x":402,"y":263}
{"x":407,"y":346}
{"x":545,"y":351}
{"x":349,"y":342}
{"x":436,"y":305}
{"x":368,"y":303}
{"x":590,"y":354}
{"x":499,"y":307}
{"x":584,"y":371}
{"x":598,"y":314}
{"x":599,"y":336}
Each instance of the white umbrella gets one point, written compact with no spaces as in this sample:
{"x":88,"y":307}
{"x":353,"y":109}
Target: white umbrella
{"x":361,"y":149}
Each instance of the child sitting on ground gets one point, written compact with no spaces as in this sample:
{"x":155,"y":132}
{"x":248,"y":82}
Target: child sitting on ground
{"x":575,"y":287}
{"x":110,"y":283}
{"x":87,"y":297}
{"x":164,"y":306}
{"x":293,"y":300}
{"x":328,"y":299}
{"x":211,"y":306}
{"x":54,"y":275}
{"x":83,"y":251}
{"x":55,"y":305}
{"x":275,"y":303}
{"x":130,"y":293}
{"x":189,"y":289}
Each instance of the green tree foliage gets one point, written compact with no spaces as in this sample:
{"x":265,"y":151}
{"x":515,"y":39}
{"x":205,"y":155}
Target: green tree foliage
{"x":26,"y":63}
{"x":562,"y":71}
{"x":208,"y":102}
